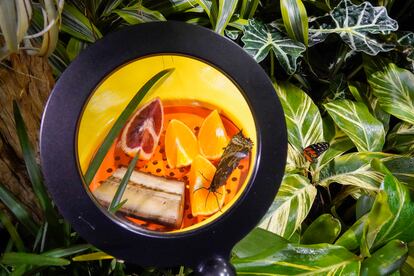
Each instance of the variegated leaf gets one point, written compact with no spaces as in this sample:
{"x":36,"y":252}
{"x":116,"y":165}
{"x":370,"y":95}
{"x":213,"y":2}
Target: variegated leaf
{"x":355,"y":169}
{"x":226,"y":9}
{"x":298,"y":259}
{"x":394,"y":88}
{"x":291,"y":206}
{"x":137,"y":14}
{"x":295,"y":163}
{"x":401,"y":138}
{"x":304,"y":122}
{"x":356,"y":121}
{"x":259,"y":39}
{"x":406,"y":42}
{"x":357,"y":25}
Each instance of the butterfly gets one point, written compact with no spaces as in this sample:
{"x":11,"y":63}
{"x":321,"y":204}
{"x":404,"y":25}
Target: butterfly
{"x":312,"y":152}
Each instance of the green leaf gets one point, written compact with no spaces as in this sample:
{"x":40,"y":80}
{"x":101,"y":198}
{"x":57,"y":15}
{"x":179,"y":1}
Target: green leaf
{"x":385,"y":260}
{"x":14,"y":235}
{"x":78,"y":25}
{"x":120,"y":122}
{"x":407,"y":268}
{"x":14,"y":258}
{"x":356,"y":121}
{"x":363,"y":205}
{"x":248,"y":8}
{"x":324,"y":229}
{"x":351,"y":239}
{"x":401,"y":138}
{"x":394,"y":88}
{"x":67,"y":251}
{"x":18,"y":210}
{"x":115,"y":203}
{"x":320,"y":259}
{"x":226,"y":10}
{"x":401,"y":204}
{"x":96,"y":256}
{"x":378,"y":216}
{"x":304,"y":122}
{"x":33,"y":168}
{"x":259,"y":39}
{"x":291,"y":206}
{"x":74,"y":47}
{"x":295,"y":20}
{"x":256,"y":242}
{"x":207,"y":5}
{"x":139,"y":14}
{"x":339,"y":143}
{"x":359,"y":26}
{"x":171,"y":6}
{"x":8,"y":26}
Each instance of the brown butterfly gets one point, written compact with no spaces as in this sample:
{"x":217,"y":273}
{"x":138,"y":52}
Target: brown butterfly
{"x":312,"y":152}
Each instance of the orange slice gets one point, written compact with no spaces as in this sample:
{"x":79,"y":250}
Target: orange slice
{"x":203,"y":201}
{"x":212,"y":137}
{"x":143,"y":130}
{"x":180,"y":144}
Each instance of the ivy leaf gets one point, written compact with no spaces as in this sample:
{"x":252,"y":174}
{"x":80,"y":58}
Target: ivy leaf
{"x":394,"y":88}
{"x":259,"y":39}
{"x":304,"y":122}
{"x":356,"y":121}
{"x":291,"y":206}
{"x":357,"y":25}
{"x":319,"y":259}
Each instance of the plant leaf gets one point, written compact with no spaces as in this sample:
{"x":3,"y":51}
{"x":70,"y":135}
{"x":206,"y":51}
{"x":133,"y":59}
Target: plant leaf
{"x":115,"y":203}
{"x":407,"y":268}
{"x":248,"y":8}
{"x":14,"y":235}
{"x":385,"y":260}
{"x":120,"y":122}
{"x":137,"y":14}
{"x":226,"y":10}
{"x":320,"y":259}
{"x":256,"y":242}
{"x":78,"y":25}
{"x":74,"y":47}
{"x":67,"y":251}
{"x":304,"y":122}
{"x":324,"y":229}
{"x":401,"y":138}
{"x":259,"y":39}
{"x":401,"y":205}
{"x":394,"y":88}
{"x":295,"y":20}
{"x":363,"y":205}
{"x":351,"y":239}
{"x":356,"y":121}
{"x":18,"y":210}
{"x":14,"y":258}
{"x":357,"y":25}
{"x":291,"y":206}
{"x":96,"y":256}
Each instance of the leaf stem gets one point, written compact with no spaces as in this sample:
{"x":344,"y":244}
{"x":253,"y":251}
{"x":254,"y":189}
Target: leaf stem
{"x":353,"y":73}
{"x":272,"y":65}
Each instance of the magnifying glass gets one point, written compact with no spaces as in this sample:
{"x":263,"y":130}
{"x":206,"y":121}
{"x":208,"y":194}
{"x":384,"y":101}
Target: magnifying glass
{"x":207,"y":134}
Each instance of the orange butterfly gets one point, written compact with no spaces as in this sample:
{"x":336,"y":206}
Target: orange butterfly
{"x":312,"y":152}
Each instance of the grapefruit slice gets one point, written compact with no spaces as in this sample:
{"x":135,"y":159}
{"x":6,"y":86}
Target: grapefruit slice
{"x":143,"y":130}
{"x":204,"y":202}
{"x":180,"y":144}
{"x":212,"y":137}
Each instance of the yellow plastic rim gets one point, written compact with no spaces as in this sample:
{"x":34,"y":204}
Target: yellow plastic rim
{"x":192,"y":81}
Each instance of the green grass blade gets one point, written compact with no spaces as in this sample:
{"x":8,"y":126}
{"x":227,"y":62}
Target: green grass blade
{"x":92,"y":257}
{"x":14,"y":258}
{"x":18,"y":210}
{"x":120,"y":122}
{"x":64,"y":252}
{"x":33,"y":168}
{"x":122,"y":186}
{"x":5,"y":220}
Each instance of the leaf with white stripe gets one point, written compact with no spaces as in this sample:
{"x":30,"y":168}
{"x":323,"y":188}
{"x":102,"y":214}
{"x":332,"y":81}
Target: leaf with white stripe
{"x":359,"y":26}
{"x":358,"y":123}
{"x":401,"y":204}
{"x":137,"y":14}
{"x":303,"y":120}
{"x":401,"y":138}
{"x":226,"y":10}
{"x":291,"y":206}
{"x":259,"y":39}
{"x":394,"y":88}
{"x":297,"y":259}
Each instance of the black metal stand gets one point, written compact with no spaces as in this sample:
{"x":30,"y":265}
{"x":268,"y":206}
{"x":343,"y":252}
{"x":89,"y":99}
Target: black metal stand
{"x":215,"y":267}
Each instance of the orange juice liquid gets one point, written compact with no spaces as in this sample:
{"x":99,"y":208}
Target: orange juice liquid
{"x":192,"y":116}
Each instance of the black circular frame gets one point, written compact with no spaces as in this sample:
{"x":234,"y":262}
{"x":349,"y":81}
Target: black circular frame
{"x":59,"y":140}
